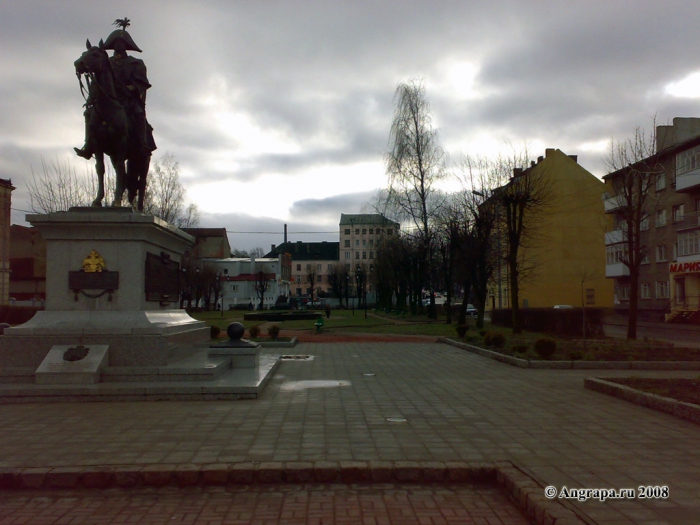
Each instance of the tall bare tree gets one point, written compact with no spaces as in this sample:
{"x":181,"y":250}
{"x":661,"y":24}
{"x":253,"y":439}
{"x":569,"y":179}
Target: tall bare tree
{"x":633,"y":172}
{"x":414,"y":163}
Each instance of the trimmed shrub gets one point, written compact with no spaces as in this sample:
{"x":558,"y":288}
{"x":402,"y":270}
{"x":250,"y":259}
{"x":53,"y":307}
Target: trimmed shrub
{"x":273,"y":332}
{"x":545,"y":348}
{"x":496,"y":339}
{"x":520,"y":349}
{"x":215,"y":331}
{"x":254,"y":331}
{"x":462,"y":330}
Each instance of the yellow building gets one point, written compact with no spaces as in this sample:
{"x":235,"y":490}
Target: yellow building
{"x":563,"y":255}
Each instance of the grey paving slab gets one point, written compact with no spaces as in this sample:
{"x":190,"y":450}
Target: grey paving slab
{"x":457,"y":406}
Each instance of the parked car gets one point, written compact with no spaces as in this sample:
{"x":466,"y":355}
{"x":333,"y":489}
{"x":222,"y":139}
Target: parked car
{"x":472,"y":311}
{"x":562,"y":306}
{"x":314,"y":304}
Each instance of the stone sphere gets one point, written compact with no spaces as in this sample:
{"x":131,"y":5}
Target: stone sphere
{"x":235,"y":331}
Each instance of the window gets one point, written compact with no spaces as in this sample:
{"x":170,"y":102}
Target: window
{"x":645,"y":258}
{"x":347,"y":231}
{"x":319,"y":268}
{"x":364,"y":242}
{"x":624,"y":292}
{"x":347,"y":255}
{"x":663,"y":290}
{"x":645,"y":291}
{"x":297,"y":279}
{"x":678,"y":212}
{"x":298,"y":267}
{"x":357,"y":255}
{"x":371,"y":231}
{"x":660,"y":218}
{"x":364,"y":231}
{"x":319,"y":278}
{"x":689,"y":243}
{"x":615,"y":253}
{"x":298,"y":291}
{"x":233,"y":288}
{"x":688,"y":161}
{"x":371,"y":242}
{"x":590,"y":296}
{"x":364,"y":255}
{"x":357,"y":242}
{"x":660,"y":181}
{"x":661,"y":253}
{"x":330,"y":267}
{"x":347,"y":243}
{"x":357,"y":231}
{"x":644,"y":224}
{"x":347,"y":267}
{"x":390,"y":231}
{"x":371,"y":255}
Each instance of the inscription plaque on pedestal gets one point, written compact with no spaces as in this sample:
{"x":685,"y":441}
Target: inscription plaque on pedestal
{"x":162,"y":276}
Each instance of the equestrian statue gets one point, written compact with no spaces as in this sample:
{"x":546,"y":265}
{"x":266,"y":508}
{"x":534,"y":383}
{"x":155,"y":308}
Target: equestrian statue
{"x":115,"y":114}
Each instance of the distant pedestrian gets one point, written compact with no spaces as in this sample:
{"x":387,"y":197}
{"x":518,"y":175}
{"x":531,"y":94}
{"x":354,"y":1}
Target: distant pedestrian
{"x":250,"y":306}
{"x":328,"y":310}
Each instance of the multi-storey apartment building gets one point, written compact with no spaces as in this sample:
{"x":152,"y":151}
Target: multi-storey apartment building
{"x":360,"y":237}
{"x":311,"y":261}
{"x":669,"y":276}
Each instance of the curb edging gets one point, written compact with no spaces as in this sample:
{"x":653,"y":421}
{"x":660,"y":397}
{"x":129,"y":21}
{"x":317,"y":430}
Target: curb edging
{"x":573,"y":364}
{"x":688,"y":411}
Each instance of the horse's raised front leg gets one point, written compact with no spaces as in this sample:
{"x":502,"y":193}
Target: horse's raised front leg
{"x":100,"y":168}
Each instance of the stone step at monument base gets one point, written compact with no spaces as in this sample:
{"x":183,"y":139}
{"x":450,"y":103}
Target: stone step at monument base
{"x":171,"y":385}
{"x":135,"y":338}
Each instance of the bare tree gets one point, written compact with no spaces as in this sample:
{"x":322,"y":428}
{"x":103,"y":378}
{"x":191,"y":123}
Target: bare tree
{"x":521,"y":202}
{"x":337,"y":278}
{"x":165,"y":195}
{"x":414,"y":163}
{"x":633,"y":172}
{"x":262,"y":283}
{"x":59,"y":187}
{"x":258,"y":253}
{"x":311,"y":279}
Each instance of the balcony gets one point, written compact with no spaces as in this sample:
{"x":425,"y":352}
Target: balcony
{"x":616,"y":270}
{"x":614,"y":204}
{"x":615,"y":237}
{"x":688,"y":181}
{"x":690,"y":221}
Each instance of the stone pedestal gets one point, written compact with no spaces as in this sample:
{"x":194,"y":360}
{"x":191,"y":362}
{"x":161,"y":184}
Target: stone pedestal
{"x":134,"y":305}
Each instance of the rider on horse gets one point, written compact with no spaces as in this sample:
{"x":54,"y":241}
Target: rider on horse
{"x":131,"y":84}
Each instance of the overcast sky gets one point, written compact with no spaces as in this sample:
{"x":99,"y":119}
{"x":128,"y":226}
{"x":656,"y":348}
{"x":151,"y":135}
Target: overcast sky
{"x":279,"y":112}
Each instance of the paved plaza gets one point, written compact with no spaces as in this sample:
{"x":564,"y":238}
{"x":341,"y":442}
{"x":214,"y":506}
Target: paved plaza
{"x":347,"y":404}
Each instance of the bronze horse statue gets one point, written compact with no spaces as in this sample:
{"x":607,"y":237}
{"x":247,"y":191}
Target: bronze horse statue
{"x":111,"y":129}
